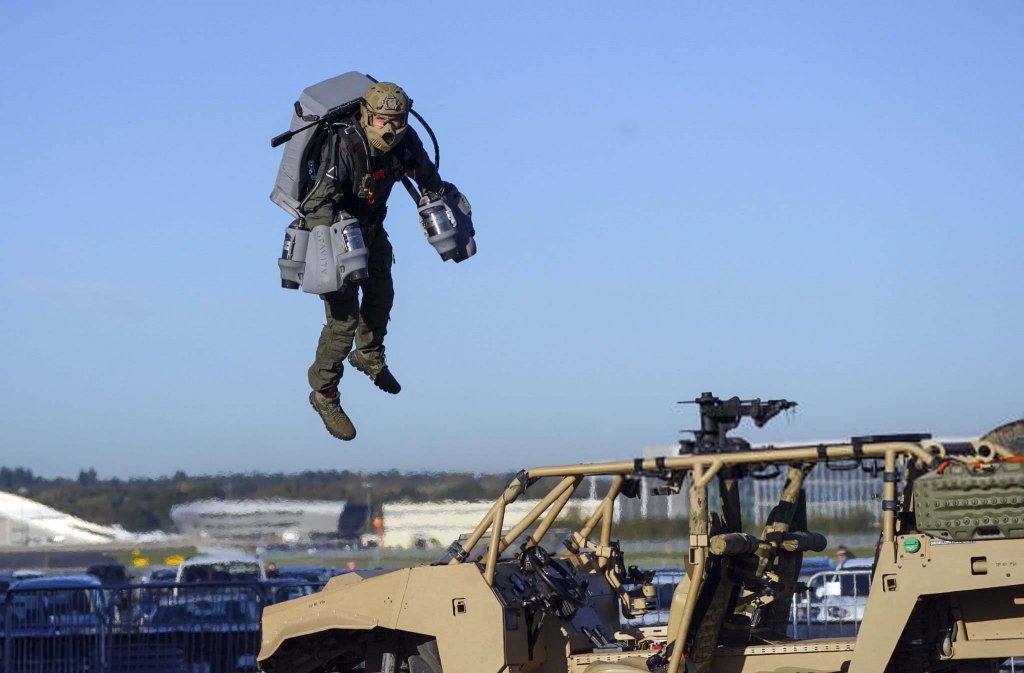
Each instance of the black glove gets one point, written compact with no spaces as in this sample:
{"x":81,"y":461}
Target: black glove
{"x":433,"y":195}
{"x":442,"y":190}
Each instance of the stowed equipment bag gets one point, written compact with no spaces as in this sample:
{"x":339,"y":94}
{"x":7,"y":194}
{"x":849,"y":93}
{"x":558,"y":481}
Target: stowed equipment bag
{"x":959,"y":503}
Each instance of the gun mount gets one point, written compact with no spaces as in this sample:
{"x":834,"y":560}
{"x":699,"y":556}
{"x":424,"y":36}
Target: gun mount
{"x":718,"y":417}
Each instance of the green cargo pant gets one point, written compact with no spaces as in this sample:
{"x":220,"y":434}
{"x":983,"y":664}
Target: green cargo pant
{"x":349,"y":319}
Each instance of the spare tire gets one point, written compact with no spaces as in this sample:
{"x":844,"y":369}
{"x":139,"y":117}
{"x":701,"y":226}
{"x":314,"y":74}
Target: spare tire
{"x":1010,"y":435}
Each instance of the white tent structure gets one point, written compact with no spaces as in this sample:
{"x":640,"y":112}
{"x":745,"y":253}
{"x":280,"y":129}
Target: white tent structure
{"x":436,"y":524}
{"x":27,"y":522}
{"x":268,"y":519}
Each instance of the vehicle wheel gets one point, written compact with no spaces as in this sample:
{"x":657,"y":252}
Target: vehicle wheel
{"x":427,"y":658}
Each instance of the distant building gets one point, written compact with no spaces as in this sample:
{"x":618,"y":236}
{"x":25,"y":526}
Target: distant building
{"x":438,"y":524}
{"x":833,"y":491}
{"x":27,"y":522}
{"x":647,"y":504}
{"x":270,"y":520}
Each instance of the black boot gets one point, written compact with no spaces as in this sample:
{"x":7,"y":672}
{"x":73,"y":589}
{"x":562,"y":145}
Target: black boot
{"x":377,"y":369}
{"x":335,"y":419}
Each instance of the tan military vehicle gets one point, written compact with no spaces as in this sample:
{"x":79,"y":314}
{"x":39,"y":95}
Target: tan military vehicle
{"x":946,"y":593}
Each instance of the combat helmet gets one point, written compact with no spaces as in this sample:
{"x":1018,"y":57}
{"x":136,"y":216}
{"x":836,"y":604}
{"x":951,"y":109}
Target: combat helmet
{"x":388,"y":100}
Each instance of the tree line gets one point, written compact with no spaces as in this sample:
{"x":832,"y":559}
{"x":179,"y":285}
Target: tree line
{"x":143,"y":504}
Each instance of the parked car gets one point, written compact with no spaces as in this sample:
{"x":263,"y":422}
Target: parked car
{"x":306,"y":573}
{"x":844,"y":594}
{"x":221,"y":567}
{"x":207,"y":627}
{"x":279,"y":589}
{"x":70,"y":600}
{"x":6,"y":579}
{"x":110,"y":574}
{"x":55,"y":623}
{"x":814,"y":564}
{"x":27,"y":574}
{"x":207,"y":609}
{"x":807,"y":601}
{"x":162,"y":575}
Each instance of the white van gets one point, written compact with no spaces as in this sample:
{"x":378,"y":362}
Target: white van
{"x":221,"y":567}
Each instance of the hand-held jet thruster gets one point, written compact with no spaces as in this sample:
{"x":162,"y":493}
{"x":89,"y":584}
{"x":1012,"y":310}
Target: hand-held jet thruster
{"x":447,"y":223}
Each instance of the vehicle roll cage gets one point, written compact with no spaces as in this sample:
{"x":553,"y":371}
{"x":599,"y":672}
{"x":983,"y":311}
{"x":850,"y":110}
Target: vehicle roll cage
{"x":701,"y":468}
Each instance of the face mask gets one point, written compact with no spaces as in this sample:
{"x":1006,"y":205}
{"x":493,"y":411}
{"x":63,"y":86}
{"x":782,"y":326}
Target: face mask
{"x":384,"y":139}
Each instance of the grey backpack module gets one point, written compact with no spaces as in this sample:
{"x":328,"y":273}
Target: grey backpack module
{"x":324,"y":259}
{"x":330,"y":97}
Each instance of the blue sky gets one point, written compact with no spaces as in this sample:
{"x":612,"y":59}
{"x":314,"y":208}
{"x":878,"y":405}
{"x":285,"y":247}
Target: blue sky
{"x":818,"y":201}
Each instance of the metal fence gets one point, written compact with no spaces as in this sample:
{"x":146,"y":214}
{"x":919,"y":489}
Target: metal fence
{"x":215,"y":627}
{"x":832,"y":607}
{"x":54,"y":630}
{"x":147,"y":628}
{"x":833,"y":493}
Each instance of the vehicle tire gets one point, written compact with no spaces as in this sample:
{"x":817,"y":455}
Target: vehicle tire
{"x":1010,"y":435}
{"x":427,"y":658}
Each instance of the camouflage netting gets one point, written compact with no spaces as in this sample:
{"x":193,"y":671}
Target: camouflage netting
{"x":965,"y":504}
